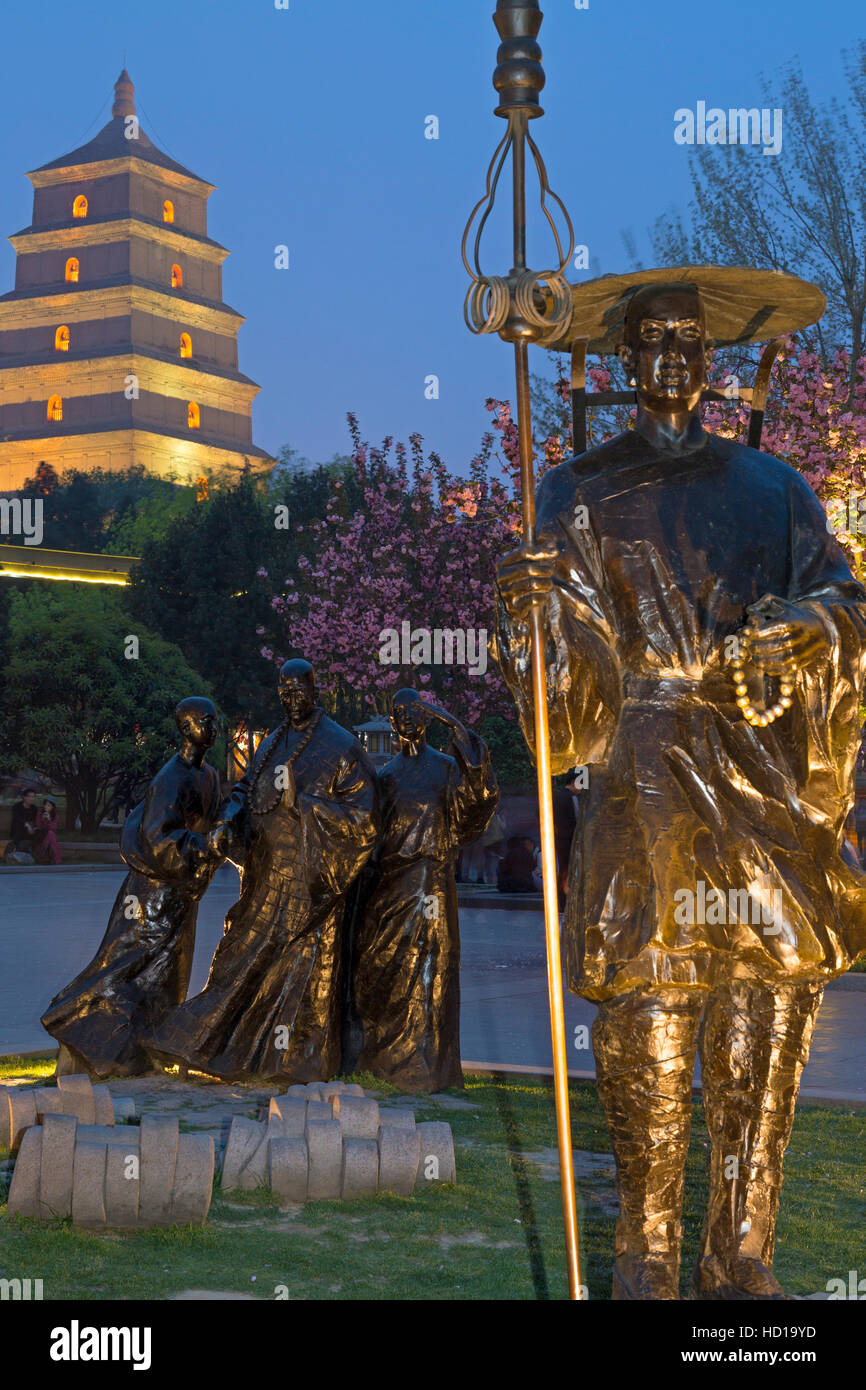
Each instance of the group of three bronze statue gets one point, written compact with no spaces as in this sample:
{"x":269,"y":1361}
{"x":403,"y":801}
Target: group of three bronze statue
{"x":343,"y":948}
{"x":711,"y":893}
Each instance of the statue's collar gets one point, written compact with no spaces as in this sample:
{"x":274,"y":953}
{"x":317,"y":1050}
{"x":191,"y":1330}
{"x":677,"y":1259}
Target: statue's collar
{"x":693,"y":439}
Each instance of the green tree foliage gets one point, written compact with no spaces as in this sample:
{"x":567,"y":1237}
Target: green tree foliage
{"x":75,"y":707}
{"x":111,"y":513}
{"x":202,"y":579}
{"x":306,"y":489}
{"x":514,"y":769}
{"x":198,"y":586}
{"x":147,"y":518}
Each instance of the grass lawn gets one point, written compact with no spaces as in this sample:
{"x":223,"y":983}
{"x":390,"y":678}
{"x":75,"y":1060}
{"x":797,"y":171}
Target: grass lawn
{"x":497,"y":1235}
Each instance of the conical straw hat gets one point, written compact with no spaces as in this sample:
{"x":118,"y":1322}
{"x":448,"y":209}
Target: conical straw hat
{"x":741,"y":305}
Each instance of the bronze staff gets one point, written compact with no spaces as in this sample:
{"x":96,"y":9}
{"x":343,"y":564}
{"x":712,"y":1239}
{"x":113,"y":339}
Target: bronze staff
{"x":524,"y":307}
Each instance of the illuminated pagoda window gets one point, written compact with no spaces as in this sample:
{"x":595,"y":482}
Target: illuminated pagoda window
{"x":185,"y":345}
{"x":55,"y":408}
{"x":176,"y":277}
{"x":193,"y":416}
{"x":168,"y":210}
{"x":61,"y":339}
{"x":79,"y":207}
{"x":72,"y":270}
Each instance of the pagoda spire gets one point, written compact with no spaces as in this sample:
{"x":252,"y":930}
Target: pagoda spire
{"x":124,"y":98}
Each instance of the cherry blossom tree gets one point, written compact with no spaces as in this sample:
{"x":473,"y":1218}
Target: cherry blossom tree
{"x":418,"y":552}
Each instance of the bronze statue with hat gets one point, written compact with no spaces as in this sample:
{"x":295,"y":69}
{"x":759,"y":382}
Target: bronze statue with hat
{"x":680,"y":620}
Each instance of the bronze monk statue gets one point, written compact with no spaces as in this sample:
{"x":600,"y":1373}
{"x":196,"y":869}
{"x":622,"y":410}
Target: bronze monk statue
{"x":300,"y":825}
{"x":142,"y":967}
{"x":711,"y":895}
{"x":406,"y":977}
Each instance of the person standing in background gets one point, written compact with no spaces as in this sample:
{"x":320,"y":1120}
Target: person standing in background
{"x":24,"y":821}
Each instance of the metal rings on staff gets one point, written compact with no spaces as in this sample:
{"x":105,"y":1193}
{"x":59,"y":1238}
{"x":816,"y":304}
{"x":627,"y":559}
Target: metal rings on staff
{"x":546,"y":305}
{"x":487,"y":304}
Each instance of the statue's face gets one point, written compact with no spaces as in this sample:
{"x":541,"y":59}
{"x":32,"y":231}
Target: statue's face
{"x":408,"y":718}
{"x":298,"y":697}
{"x":200,"y":727}
{"x":666,"y":348}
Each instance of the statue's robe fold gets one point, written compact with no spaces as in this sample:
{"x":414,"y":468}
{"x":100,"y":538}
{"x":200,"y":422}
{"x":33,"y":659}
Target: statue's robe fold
{"x":685,"y":796}
{"x":143,"y":964}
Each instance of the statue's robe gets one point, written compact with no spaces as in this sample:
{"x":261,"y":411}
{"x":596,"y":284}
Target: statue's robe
{"x":142,"y":967}
{"x":272,"y":1005}
{"x":658,"y":557}
{"x":406,"y":977}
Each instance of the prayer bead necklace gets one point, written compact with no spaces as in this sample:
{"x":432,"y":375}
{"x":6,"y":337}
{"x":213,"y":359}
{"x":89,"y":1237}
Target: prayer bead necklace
{"x":759,"y":717}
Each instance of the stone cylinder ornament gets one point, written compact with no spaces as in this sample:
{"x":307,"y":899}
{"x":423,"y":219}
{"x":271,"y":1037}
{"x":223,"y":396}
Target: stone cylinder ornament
{"x":342,"y":1148}
{"x":125,"y":1176}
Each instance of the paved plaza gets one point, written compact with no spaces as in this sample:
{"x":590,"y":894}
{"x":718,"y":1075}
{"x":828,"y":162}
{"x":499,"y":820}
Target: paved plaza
{"x":51,"y":923}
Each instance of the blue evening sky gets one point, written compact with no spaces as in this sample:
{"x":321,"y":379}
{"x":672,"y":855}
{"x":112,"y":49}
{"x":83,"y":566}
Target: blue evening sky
{"x":310,"y":121}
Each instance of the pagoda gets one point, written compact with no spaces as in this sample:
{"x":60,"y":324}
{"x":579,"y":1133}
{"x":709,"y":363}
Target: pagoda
{"x":116,"y":347}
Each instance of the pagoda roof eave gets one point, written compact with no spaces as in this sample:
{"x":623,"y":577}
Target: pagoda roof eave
{"x":111,"y":143}
{"x":43,"y":178}
{"x":63,"y":288}
{"x":128,"y":352}
{"x":91,"y":427}
{"x":79,"y":224}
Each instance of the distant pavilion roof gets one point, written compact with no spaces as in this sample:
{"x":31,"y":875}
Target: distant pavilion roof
{"x":379,"y":725}
{"x":112,"y":142}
